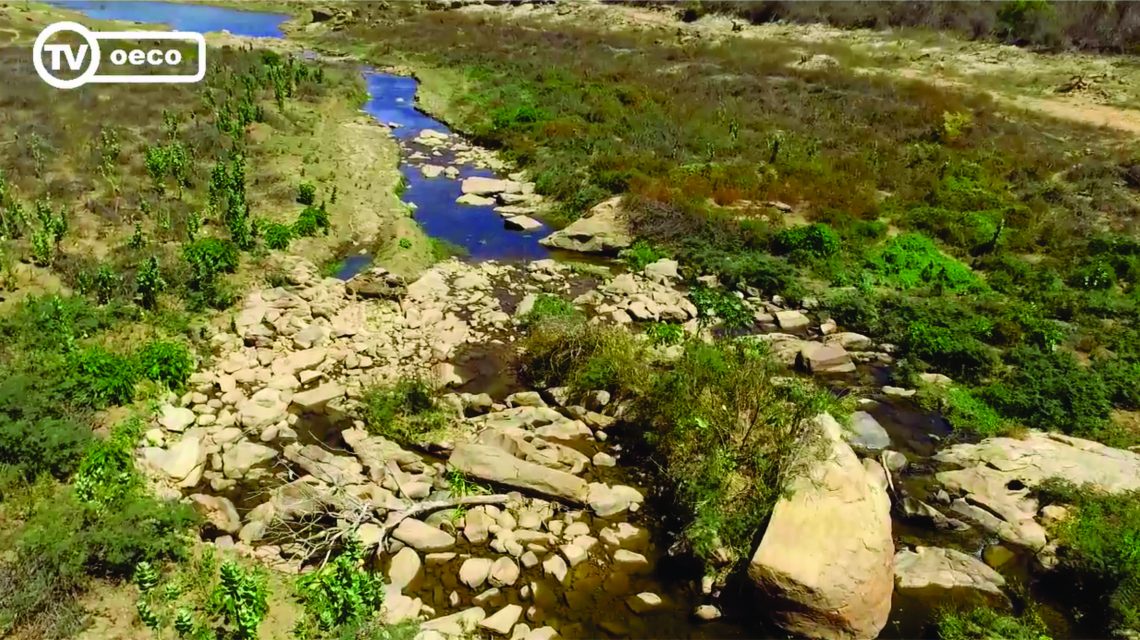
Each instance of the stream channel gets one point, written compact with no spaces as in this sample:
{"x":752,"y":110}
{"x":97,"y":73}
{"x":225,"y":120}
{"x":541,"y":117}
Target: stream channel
{"x":594,"y":607}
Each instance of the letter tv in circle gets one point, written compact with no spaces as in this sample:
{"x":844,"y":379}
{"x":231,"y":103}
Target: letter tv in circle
{"x":86,"y":58}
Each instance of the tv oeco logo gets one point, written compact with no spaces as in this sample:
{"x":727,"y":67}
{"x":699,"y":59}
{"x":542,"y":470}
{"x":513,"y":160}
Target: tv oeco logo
{"x":133,"y":55}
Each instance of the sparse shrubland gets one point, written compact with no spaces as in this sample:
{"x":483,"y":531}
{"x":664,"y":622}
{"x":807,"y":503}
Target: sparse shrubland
{"x":970,"y":238}
{"x":984,"y":623}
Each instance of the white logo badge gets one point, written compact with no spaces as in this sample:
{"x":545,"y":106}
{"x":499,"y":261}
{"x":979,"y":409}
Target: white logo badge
{"x":88,"y":56}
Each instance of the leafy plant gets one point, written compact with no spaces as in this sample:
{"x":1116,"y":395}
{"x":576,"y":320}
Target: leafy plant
{"x":984,"y":623}
{"x":306,"y":193}
{"x":340,"y":593}
{"x":405,"y":243}
{"x":720,"y":304}
{"x":107,"y":473}
{"x":405,"y":412}
{"x":312,"y":220}
{"x":240,"y":600}
{"x":149,"y":283}
{"x":641,"y":254}
{"x":100,"y":378}
{"x":811,"y":242}
{"x":277,"y":236}
{"x":663,"y":333}
{"x":166,"y":362}
{"x":550,"y":307}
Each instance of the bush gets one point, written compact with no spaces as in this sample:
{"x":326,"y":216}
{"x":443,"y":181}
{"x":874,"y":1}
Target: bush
{"x":585,"y":357}
{"x":665,"y":334}
{"x":311,"y":220}
{"x":149,"y":283}
{"x":240,"y":601}
{"x":405,"y":412}
{"x":965,"y":412}
{"x":34,"y":438}
{"x":340,"y":594}
{"x":726,"y":432}
{"x":1050,"y":390}
{"x":911,"y":261}
{"x":64,"y":541}
{"x":983,"y":623}
{"x":209,"y":257}
{"x":641,"y":254}
{"x":950,"y":349}
{"x":306,"y":193}
{"x":807,"y":243}
{"x":167,"y":363}
{"x":1099,"y":545}
{"x":100,"y":378}
{"x":720,"y":304}
{"x":549,"y":307}
{"x":107,"y":473}
{"x":277,"y":236}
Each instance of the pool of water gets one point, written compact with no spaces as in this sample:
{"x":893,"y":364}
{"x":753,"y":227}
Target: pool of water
{"x":184,"y":17}
{"x":478,"y":230}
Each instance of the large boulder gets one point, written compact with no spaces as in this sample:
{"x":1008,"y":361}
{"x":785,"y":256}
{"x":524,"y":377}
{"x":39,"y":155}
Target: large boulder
{"x":824,"y":565}
{"x":481,"y":186}
{"x":998,"y":475}
{"x":492,"y":464}
{"x":604,"y":229}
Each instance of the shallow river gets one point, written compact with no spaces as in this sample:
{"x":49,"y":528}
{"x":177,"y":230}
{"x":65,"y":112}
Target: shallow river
{"x":480,"y":232}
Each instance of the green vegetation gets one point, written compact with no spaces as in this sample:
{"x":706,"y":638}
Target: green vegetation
{"x":340,"y":597}
{"x":665,"y":334}
{"x":405,"y":412}
{"x":1099,"y":546}
{"x":167,"y":363}
{"x":983,"y":623}
{"x":641,"y":254}
{"x":721,"y":428}
{"x":306,"y":193}
{"x":550,"y":307}
{"x":969,"y":239}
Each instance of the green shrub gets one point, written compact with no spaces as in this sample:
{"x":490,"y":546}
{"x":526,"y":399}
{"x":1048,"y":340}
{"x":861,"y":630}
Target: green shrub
{"x":1100,"y":547}
{"x":405,"y":243}
{"x":641,"y":254}
{"x":34,"y":438}
{"x":209,"y":257}
{"x":312,"y":220}
{"x":165,"y":362}
{"x":240,"y":601}
{"x":965,"y":412}
{"x":64,"y":541}
{"x":107,"y":473}
{"x":949,"y":349}
{"x":585,"y":357}
{"x":100,"y":378}
{"x":149,"y":283}
{"x":549,"y":307}
{"x":911,"y":261}
{"x":103,"y":283}
{"x":405,"y":412}
{"x":665,"y":334}
{"x":720,"y":304}
{"x":983,"y":623}
{"x":725,"y":433}
{"x":277,"y":236}
{"x":306,"y":193}
{"x":341,"y":593}
{"x":1050,"y":390}
{"x":807,"y":243}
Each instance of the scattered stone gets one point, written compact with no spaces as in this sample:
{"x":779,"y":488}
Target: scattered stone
{"x":663,"y":271}
{"x":218,"y":511}
{"x":176,"y":419}
{"x":473,"y":200}
{"x":492,"y":464}
{"x":522,"y":223}
{"x":603,"y":229}
{"x":555,"y":566}
{"x":706,"y":613}
{"x":481,"y":186}
{"x":423,"y":537}
{"x":866,"y":434}
{"x":825,"y":359}
{"x":792,"y":320}
{"x":405,"y":568}
{"x":504,"y":572}
{"x":603,"y":459}
{"x":183,"y":462}
{"x":503,"y":620}
{"x":645,"y":602}
{"x":316,"y":399}
{"x":377,"y":283}
{"x":525,"y":399}
{"x":849,"y":340}
{"x":431,"y":170}
{"x":607,"y":501}
{"x":474,"y":572}
{"x":630,"y":562}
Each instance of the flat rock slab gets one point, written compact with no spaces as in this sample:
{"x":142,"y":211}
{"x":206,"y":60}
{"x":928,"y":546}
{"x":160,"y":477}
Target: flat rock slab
{"x":495,"y":465}
{"x":481,"y":186}
{"x":423,"y":537}
{"x":316,"y":399}
{"x":522,"y":223}
{"x":937,"y":568}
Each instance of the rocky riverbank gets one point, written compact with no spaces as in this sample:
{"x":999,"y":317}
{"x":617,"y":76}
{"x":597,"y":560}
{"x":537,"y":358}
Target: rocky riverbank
{"x":519,"y":519}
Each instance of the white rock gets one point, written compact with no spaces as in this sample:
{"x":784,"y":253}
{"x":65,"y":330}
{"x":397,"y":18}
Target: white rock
{"x":503,"y":620}
{"x":176,"y":418}
{"x":405,"y":568}
{"x":474,"y":572}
